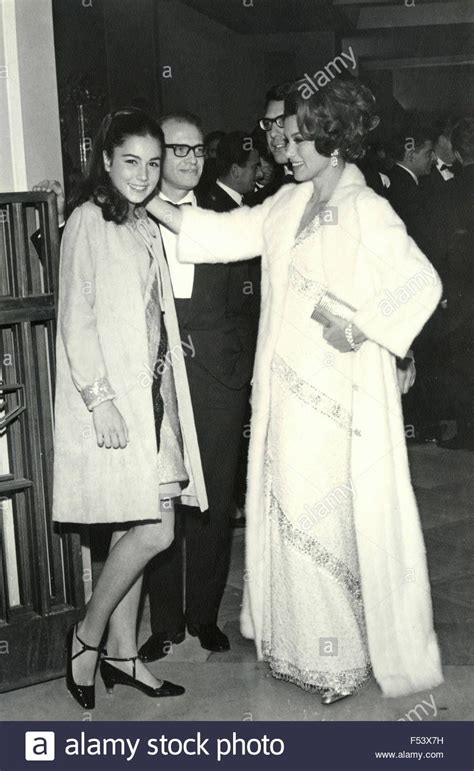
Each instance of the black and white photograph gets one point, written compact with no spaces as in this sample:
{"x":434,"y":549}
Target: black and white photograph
{"x":237,"y":370}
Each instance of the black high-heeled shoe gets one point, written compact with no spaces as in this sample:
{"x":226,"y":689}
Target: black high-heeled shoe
{"x":83,"y":694}
{"x":113,"y":676}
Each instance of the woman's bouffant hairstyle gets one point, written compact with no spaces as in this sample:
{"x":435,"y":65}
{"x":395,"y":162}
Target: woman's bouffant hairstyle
{"x":339,"y":116}
{"x":96,"y":186}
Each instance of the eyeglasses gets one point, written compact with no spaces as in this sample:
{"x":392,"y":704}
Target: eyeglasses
{"x":182,"y":151}
{"x":267,"y":123}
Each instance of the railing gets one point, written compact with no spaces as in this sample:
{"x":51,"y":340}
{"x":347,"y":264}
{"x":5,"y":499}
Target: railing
{"x":42,"y":585}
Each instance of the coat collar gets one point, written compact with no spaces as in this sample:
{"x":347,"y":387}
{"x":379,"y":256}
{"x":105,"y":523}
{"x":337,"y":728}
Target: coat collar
{"x":350,"y":178}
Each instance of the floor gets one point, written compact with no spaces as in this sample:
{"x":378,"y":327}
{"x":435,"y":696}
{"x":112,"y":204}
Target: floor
{"x":234,"y":686}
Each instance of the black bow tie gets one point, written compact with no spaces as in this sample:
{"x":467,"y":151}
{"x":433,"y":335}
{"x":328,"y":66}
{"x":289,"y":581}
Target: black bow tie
{"x":445,"y":167}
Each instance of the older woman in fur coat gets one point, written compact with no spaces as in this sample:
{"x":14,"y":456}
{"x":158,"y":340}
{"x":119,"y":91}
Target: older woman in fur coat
{"x":337,"y":585}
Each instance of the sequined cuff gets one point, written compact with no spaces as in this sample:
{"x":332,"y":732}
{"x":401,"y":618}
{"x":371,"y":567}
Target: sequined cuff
{"x":97,"y":392}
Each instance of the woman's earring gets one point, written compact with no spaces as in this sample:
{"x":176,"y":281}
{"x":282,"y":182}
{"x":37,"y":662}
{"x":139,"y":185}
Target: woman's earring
{"x":334,"y":157}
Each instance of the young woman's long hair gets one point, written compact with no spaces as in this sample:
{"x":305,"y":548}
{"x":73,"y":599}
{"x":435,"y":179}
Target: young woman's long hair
{"x":96,"y":186}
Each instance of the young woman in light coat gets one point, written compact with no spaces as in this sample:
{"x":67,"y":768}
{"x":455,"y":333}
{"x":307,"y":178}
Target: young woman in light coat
{"x":336,"y":578}
{"x":125,"y":442}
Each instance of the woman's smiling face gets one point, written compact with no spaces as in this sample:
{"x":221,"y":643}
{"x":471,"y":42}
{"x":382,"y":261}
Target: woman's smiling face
{"x":305,"y":160}
{"x":134,"y":168}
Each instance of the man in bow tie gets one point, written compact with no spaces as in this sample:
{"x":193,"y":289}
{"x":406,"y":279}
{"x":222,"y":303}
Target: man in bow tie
{"x":437,"y":194}
{"x":446,"y":165}
{"x":213,"y":312}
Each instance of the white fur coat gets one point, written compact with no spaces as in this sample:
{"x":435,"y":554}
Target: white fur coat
{"x":376,"y":268}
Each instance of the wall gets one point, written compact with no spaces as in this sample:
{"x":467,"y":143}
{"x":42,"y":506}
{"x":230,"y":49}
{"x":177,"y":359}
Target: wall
{"x":289,"y":56}
{"x":222,"y":75}
{"x":201,"y":66}
{"x":435,"y":89}
{"x":28,"y":96}
{"x":401,"y":85}
{"x":131,"y":52}
{"x":173,"y":58}
{"x":419,"y":42}
{"x":6,"y":165}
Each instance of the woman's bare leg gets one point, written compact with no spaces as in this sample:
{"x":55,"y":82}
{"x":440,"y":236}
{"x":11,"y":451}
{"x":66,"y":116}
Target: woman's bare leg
{"x":121,"y":576}
{"x":122,"y":636}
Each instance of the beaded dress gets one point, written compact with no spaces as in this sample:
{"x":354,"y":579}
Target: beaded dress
{"x":314,"y":630}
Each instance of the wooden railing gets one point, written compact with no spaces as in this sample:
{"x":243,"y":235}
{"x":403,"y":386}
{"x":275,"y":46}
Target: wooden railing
{"x":42,"y":589}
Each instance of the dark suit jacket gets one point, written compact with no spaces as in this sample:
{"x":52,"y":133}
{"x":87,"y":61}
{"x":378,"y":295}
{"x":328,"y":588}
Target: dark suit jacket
{"x":438,"y":205}
{"x":222,"y":314}
{"x":459,"y":285}
{"x":407,"y":199}
{"x":373,"y":178}
{"x":434,"y":187}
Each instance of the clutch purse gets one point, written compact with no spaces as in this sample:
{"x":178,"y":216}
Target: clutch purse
{"x":334,"y":305}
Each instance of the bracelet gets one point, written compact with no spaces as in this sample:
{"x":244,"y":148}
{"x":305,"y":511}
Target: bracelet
{"x":97,"y":392}
{"x":350,"y":337}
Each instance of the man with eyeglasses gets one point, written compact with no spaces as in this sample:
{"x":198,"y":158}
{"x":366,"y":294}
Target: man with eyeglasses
{"x":272,"y":124}
{"x":211,"y":317}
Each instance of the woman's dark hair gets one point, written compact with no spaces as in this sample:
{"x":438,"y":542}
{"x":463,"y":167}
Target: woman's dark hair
{"x":338,"y":116}
{"x":278,"y":93}
{"x":115,"y":128}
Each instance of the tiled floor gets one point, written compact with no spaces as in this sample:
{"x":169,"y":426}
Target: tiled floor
{"x":234,"y":686}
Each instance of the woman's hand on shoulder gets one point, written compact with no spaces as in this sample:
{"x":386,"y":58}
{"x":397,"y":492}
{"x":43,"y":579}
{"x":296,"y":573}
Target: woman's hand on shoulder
{"x":168,"y":214}
{"x":110,"y":427}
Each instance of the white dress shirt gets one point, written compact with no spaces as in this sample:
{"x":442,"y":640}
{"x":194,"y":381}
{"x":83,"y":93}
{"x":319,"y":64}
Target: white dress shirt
{"x":182,"y":276}
{"x":445,"y":173}
{"x":230,"y":191}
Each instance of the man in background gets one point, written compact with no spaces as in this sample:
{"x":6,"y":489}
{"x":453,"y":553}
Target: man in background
{"x":272,"y":124}
{"x":459,"y":288}
{"x":414,"y":158}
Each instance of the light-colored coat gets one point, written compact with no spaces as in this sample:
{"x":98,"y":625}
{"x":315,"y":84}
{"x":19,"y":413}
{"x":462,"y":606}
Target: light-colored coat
{"x":375,"y":267}
{"x":102,"y":334}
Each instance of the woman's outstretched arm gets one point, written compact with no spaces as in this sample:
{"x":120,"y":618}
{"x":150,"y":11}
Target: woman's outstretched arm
{"x":208,"y":236}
